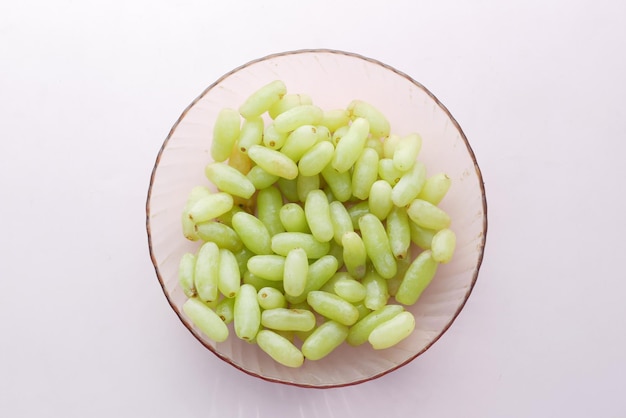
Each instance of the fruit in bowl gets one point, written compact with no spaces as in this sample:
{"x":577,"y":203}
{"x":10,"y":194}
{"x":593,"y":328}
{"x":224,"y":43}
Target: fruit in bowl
{"x":320,"y":210}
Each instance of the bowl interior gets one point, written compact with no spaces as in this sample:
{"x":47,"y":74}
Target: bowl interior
{"x":332,"y":79}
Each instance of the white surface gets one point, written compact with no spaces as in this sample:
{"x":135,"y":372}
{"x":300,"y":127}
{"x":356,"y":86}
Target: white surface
{"x":89,"y":90}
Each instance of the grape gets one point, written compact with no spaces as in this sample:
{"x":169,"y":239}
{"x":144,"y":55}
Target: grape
{"x":205,"y":319}
{"x":391,"y":332}
{"x":270,"y":298}
{"x":282,"y":319}
{"x":409,"y":185}
{"x":247,"y":313}
{"x":262,"y":99}
{"x":377,"y":245}
{"x":296,"y":270}
{"x":365,"y":173}
{"x":268,"y":204}
{"x":324,"y":339}
{"x":351,"y":145}
{"x":225,"y":133}
{"x":378,"y":123}
{"x":316,"y":158}
{"x":333,"y":307}
{"x":317,"y":212}
{"x":442,"y":245}
{"x":406,"y":151}
{"x":298,"y":116}
{"x":280,"y":348}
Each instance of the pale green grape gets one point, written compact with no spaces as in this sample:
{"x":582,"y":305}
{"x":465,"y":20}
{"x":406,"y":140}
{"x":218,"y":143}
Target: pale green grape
{"x":354,"y":254}
{"x":317,"y":212}
{"x":273,"y":162}
{"x":295,"y":272}
{"x":253,"y":233}
{"x":251,"y":133}
{"x":406,"y":151}
{"x":219,"y":233}
{"x":205,"y":319}
{"x":225,"y":133}
{"x":268,"y":204}
{"x":417,"y":277}
{"x":186,"y":269}
{"x":229,"y":180}
{"x":399,"y":232}
{"x":360,"y":331}
{"x":378,"y":123}
{"x":271,"y":298}
{"x":427,"y":215}
{"x":298,"y":116}
{"x":365,"y":173}
{"x":267,"y":266}
{"x":279,"y":348}
{"x":286,"y":241}
{"x":316,"y":158}
{"x":443,"y":245}
{"x":300,"y":141}
{"x":225,"y":309}
{"x":247,"y":313}
{"x":350,"y":146}
{"x":261,"y":100}
{"x":377,"y":245}
{"x":333,"y":307}
{"x":282,"y":319}
{"x":409,"y":185}
{"x":293,"y":219}
{"x":391,"y":332}
{"x":206,"y":272}
{"x":228,"y":276}
{"x":324,"y":340}
{"x":435,"y":188}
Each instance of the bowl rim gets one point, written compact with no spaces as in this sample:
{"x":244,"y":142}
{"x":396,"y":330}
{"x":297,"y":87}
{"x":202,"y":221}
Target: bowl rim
{"x":483,"y":237}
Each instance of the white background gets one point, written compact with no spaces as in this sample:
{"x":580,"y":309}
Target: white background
{"x":89,"y":91}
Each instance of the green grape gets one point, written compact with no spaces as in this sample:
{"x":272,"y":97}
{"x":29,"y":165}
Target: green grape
{"x":391,"y":332}
{"x":205,"y":319}
{"x":324,"y":340}
{"x":271,"y":298}
{"x":228,"y":276}
{"x":443,"y":245}
{"x":417,"y":277}
{"x":298,"y":116}
{"x":333,"y":307}
{"x":377,"y":245}
{"x":317,"y":212}
{"x":378,"y":123}
{"x":229,"y":180}
{"x":351,"y":145}
{"x":296,"y":271}
{"x":279,"y":348}
{"x":268,"y":204}
{"x":225,"y":133}
{"x":406,"y":151}
{"x":261,"y":100}
{"x":282,"y":319}
{"x":253,"y":233}
{"x":247,"y":313}
{"x":427,"y":215}
{"x":360,"y":331}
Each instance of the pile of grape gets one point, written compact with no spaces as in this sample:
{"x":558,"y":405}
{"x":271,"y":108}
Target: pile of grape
{"x":307,"y":239}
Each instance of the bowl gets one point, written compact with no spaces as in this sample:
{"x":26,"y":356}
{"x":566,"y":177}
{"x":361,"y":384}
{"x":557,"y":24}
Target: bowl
{"x":333,"y":79}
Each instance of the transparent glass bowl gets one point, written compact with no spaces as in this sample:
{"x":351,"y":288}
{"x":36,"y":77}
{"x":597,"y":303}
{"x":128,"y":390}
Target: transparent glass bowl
{"x":332,"y":78}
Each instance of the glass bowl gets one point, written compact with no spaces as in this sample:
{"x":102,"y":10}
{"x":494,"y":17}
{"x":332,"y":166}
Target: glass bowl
{"x":333,"y":79}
